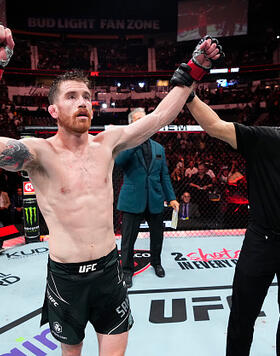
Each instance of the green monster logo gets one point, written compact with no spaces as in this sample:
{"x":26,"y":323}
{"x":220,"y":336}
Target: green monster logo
{"x":31,"y":215}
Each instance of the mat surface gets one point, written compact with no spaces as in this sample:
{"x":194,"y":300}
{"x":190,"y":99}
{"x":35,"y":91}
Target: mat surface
{"x":184,"y":313}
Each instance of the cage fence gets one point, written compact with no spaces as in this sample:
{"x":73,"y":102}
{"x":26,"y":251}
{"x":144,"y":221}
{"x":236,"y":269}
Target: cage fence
{"x":207,"y":175}
{"x":208,"y":178}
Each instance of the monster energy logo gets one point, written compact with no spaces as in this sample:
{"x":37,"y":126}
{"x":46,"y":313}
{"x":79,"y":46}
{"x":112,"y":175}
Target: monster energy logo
{"x":31,"y":215}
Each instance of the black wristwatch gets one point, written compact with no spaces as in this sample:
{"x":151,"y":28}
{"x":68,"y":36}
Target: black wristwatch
{"x":190,"y":98}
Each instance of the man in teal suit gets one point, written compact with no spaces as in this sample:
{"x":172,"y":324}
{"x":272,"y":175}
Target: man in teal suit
{"x":145,"y":188}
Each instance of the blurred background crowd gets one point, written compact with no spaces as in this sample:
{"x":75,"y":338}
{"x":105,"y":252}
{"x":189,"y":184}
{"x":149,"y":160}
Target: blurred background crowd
{"x":129,"y":62}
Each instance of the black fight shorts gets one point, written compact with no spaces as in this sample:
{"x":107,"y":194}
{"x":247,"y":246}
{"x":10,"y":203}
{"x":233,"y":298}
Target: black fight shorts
{"x":91,"y":291}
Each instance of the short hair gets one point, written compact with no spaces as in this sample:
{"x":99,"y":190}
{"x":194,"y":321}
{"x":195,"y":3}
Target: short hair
{"x":76,"y":75}
{"x":182,"y":196}
{"x":130,"y":115}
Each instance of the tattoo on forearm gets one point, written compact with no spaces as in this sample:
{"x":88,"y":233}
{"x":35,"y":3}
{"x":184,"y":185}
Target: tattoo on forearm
{"x":14,"y":155}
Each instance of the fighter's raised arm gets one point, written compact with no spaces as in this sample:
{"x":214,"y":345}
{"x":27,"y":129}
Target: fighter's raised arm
{"x":15,"y":155}
{"x":210,"y":121}
{"x":205,"y":53}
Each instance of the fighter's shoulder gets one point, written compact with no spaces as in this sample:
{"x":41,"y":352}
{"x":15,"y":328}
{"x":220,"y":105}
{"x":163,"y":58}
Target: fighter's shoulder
{"x":110,"y":134}
{"x":36,"y":144}
{"x":114,"y":129}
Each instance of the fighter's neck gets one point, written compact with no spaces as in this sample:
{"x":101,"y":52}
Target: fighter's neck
{"x":73,"y":141}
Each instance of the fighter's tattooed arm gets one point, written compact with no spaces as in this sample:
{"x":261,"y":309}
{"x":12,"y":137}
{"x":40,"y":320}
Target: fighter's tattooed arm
{"x":14,"y":155}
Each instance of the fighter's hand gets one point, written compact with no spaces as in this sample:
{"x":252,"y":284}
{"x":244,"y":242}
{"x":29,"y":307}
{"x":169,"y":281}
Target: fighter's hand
{"x":6,"y":45}
{"x":175,"y":205}
{"x":204,"y":56}
{"x":207,"y":52}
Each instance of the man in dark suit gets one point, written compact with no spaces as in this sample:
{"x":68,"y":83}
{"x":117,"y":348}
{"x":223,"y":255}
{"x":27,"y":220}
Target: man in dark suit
{"x":189,"y":215}
{"x":17,"y":207}
{"x":145,"y":188}
{"x":200,"y":184}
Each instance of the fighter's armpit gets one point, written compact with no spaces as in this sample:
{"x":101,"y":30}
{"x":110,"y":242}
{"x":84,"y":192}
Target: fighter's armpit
{"x":14,"y":155}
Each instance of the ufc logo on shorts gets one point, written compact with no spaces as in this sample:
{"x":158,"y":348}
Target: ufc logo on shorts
{"x":87,"y":268}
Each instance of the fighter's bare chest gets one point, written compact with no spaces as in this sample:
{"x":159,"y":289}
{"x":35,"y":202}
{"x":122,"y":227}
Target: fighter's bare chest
{"x":84,"y":173}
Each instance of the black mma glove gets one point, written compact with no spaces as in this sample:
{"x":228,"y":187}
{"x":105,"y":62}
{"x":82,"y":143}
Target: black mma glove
{"x":186,"y":74}
{"x":9,"y":53}
{"x":4,"y":62}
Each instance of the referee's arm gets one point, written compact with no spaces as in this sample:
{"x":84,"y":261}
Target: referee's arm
{"x":211,"y":122}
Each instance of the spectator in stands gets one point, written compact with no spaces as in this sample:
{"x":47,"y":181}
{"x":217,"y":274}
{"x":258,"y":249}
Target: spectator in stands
{"x":201,"y":184}
{"x":18,"y":120}
{"x":210,"y":162}
{"x":187,"y":209}
{"x":210,"y":173}
{"x":178,"y":180}
{"x":183,"y":141}
{"x":177,"y":175}
{"x":235,"y":168}
{"x":4,"y":208}
{"x":237,"y":183}
{"x":202,"y":141}
{"x":3,"y":179}
{"x":190,"y":170}
{"x":14,"y":181}
{"x":188,"y":214}
{"x":17,"y":207}
{"x":223,"y":175}
{"x":181,"y":164}
{"x":2,"y":122}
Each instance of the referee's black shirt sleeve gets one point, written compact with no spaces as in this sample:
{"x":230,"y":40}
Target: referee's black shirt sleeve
{"x":260,"y":146}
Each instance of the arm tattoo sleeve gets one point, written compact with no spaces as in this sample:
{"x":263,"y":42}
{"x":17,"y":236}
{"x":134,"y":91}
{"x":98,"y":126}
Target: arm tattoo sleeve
{"x":14,"y":155}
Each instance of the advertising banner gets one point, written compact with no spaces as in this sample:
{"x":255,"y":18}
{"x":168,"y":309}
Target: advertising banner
{"x":30,"y":211}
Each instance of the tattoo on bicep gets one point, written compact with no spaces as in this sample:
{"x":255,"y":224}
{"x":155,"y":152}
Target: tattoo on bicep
{"x":14,"y":155}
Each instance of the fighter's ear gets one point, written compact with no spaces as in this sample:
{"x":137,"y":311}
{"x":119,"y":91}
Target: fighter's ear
{"x":52,"y":109}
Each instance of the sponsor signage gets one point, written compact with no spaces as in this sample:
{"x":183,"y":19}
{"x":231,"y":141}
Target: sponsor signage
{"x":28,"y":188}
{"x":30,"y":211}
{"x":191,"y":308}
{"x":25,"y":253}
{"x":141,"y":260}
{"x":199,"y":259}
{"x":8,"y":279}
{"x":37,"y":345}
{"x":93,"y":24}
{"x":31,"y":220}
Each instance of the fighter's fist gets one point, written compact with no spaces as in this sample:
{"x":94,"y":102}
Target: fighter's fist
{"x":205,"y":54}
{"x":6,"y":46}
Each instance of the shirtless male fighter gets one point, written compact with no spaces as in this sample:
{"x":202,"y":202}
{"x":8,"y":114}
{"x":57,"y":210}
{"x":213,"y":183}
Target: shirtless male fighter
{"x":72,"y":176}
